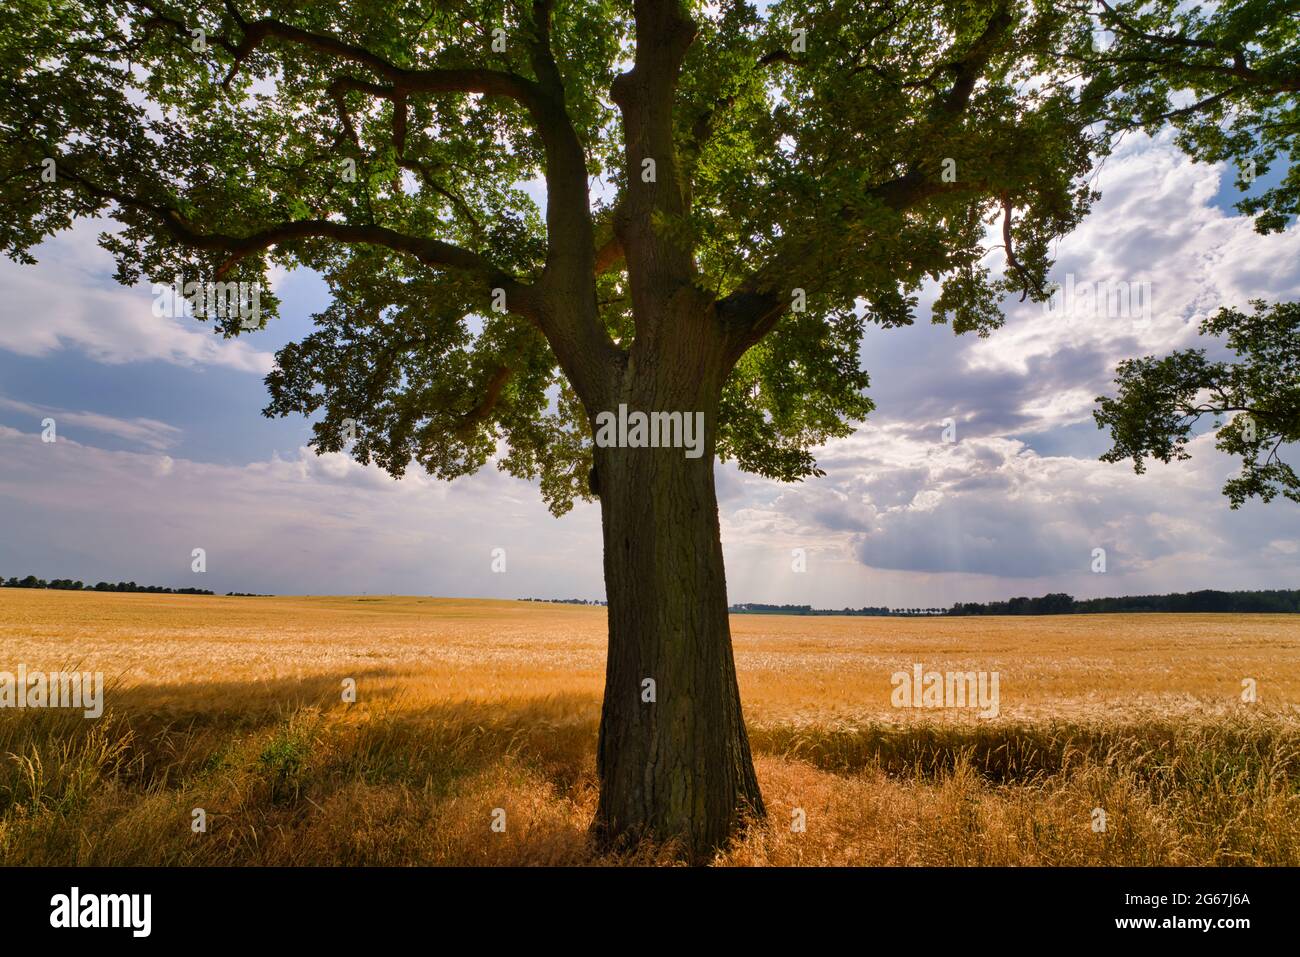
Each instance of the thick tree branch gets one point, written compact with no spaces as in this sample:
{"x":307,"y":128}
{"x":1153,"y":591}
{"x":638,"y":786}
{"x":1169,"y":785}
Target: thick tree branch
{"x":482,"y":80}
{"x":520,"y":296}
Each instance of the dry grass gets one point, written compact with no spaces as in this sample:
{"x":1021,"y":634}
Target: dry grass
{"x":233,"y":705}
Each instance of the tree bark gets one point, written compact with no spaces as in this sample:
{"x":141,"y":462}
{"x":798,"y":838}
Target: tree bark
{"x":673,"y":758}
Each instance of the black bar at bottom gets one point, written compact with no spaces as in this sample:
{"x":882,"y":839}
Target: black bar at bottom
{"x":333,"y":906}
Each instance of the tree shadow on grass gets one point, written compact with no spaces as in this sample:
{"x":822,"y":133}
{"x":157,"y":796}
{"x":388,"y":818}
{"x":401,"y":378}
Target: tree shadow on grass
{"x":304,"y":738}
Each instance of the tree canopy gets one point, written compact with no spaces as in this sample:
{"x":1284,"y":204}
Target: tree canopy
{"x":444,"y":166}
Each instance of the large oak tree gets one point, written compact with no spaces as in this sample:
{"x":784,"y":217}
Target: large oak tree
{"x":730,"y":195}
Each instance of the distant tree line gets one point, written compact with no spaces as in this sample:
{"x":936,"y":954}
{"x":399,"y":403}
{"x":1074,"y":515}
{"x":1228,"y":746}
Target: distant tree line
{"x":566,"y":601}
{"x":1059,"y":603}
{"x":67,"y":584}
{"x":758,"y":608}
{"x":1280,"y":600}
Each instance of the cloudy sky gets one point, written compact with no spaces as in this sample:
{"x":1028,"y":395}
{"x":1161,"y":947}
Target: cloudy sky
{"x":162,"y":449}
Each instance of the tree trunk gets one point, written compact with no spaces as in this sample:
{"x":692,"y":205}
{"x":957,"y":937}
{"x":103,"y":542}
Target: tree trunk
{"x":673,"y":759}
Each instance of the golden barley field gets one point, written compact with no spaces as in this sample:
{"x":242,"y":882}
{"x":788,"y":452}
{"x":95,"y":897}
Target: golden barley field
{"x":235,"y":706}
